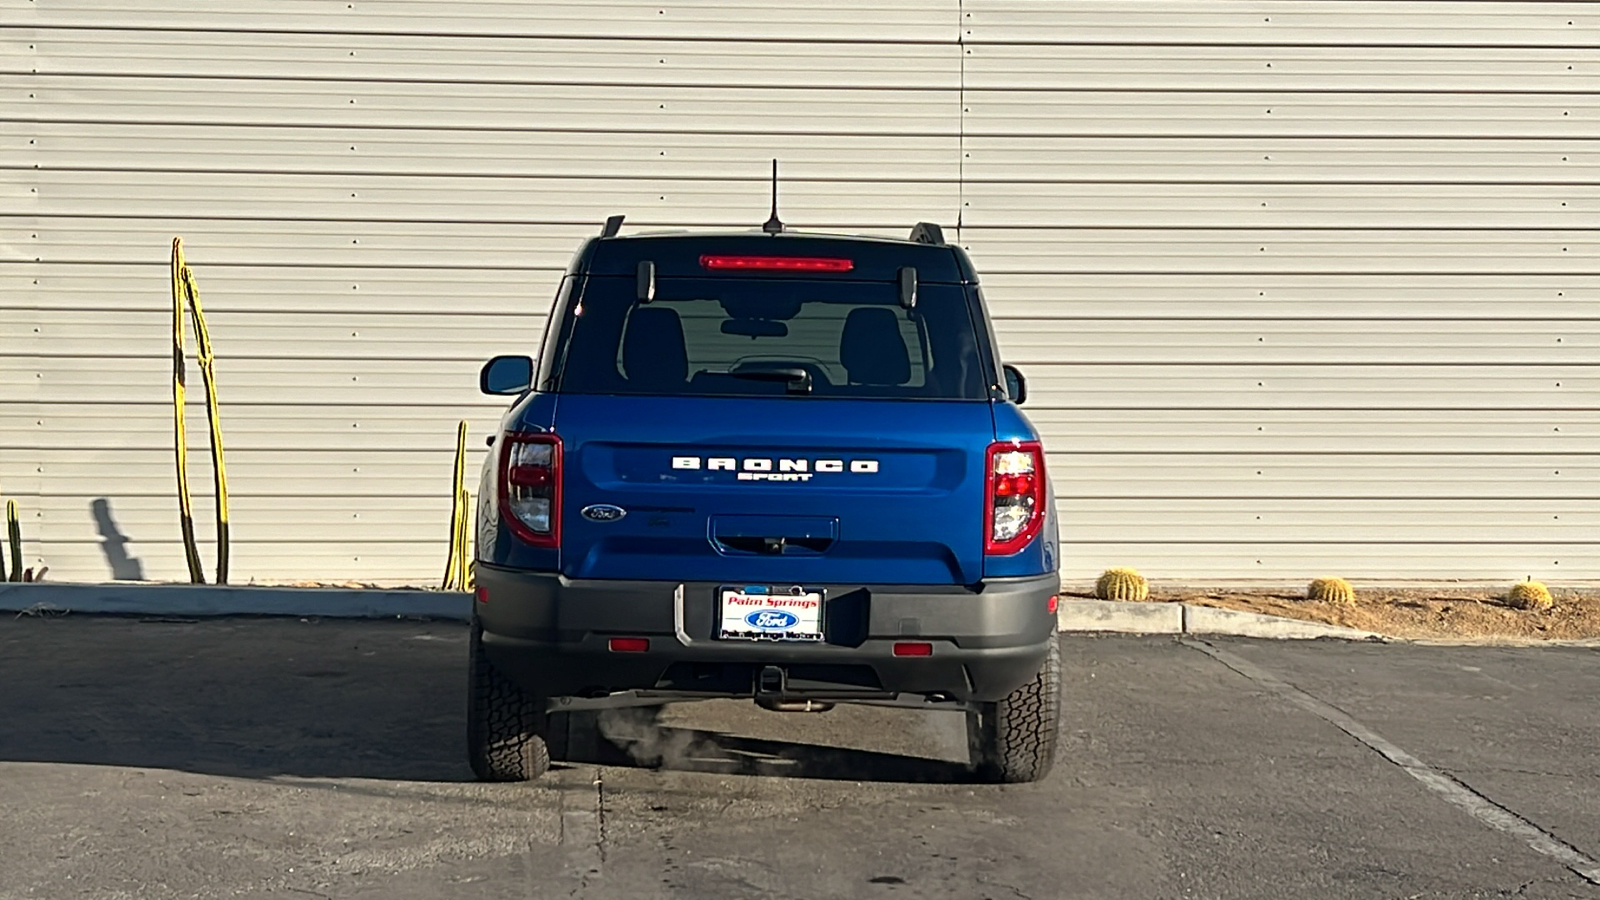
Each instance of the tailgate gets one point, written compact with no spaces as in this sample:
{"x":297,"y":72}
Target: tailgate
{"x":792,"y":492}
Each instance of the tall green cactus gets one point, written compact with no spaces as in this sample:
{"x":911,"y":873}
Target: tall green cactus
{"x":14,"y":538}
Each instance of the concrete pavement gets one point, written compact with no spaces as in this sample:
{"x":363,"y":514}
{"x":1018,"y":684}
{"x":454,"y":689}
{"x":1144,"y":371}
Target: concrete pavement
{"x":280,"y":758}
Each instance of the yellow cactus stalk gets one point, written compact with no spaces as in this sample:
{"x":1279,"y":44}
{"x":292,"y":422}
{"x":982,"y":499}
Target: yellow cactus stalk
{"x":1530,"y":594}
{"x":1122,"y":584}
{"x":1332,"y":590}
{"x":455,"y":570}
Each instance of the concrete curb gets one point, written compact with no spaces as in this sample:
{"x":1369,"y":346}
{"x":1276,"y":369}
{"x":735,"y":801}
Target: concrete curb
{"x":1171,"y":585}
{"x":348,"y":603}
{"x":231,"y":600}
{"x":1114,"y":615}
{"x":1182,"y":618}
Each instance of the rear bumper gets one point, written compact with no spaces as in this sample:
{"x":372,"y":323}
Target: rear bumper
{"x":550,"y":634}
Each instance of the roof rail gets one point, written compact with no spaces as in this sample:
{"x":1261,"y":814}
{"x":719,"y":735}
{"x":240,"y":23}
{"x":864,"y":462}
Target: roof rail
{"x":927,"y":233}
{"x":612,"y":226}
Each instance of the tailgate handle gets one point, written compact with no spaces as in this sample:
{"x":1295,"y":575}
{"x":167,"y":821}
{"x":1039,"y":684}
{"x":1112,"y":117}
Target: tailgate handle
{"x":775,"y":546}
{"x":773,"y":535}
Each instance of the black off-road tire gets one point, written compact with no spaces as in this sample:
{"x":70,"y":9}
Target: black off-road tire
{"x":504,"y":722}
{"x":577,"y":736}
{"x":573,"y":736}
{"x":1013,"y":740}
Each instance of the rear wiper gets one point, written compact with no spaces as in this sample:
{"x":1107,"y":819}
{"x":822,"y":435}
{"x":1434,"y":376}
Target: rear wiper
{"x":797,"y":378}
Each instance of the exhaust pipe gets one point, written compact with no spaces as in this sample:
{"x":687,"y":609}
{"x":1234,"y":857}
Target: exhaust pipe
{"x":778,"y":704}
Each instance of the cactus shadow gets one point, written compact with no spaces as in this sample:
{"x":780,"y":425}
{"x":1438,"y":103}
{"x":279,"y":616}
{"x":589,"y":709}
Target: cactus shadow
{"x":114,"y":544}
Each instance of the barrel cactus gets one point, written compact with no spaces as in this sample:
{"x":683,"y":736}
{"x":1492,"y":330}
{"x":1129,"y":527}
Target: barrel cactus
{"x":1122,"y":584}
{"x":1332,"y":590}
{"x":1530,"y":594}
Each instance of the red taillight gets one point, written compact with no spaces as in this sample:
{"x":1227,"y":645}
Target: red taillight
{"x":1016,"y":495}
{"x":530,"y":487}
{"x":529,"y":477}
{"x":1013,"y":485}
{"x":913,"y":648}
{"x":629,"y":645}
{"x":784,"y":263}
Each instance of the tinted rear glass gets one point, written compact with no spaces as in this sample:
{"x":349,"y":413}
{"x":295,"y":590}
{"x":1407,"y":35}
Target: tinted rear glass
{"x":773,"y":337}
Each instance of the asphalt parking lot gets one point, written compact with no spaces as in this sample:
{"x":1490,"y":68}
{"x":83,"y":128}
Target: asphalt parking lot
{"x":287,"y":758}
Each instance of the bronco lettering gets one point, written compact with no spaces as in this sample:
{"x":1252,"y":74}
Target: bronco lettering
{"x":761,"y":468}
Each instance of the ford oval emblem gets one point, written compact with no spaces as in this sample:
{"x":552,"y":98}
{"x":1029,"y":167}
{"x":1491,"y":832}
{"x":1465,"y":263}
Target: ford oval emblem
{"x":771,"y":619}
{"x":602,"y":512}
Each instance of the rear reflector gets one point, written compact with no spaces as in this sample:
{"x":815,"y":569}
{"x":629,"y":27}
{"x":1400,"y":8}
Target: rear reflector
{"x":482,"y":593}
{"x":913,"y":648}
{"x":629,"y":645}
{"x":1053,"y":604}
{"x":784,"y":263}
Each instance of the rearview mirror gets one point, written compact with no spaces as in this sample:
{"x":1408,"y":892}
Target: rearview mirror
{"x":1016,"y":385}
{"x":506,"y":375}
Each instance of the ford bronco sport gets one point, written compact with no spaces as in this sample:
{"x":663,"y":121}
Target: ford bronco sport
{"x":777,"y":466}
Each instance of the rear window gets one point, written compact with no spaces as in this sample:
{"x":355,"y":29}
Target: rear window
{"x":772,"y":337}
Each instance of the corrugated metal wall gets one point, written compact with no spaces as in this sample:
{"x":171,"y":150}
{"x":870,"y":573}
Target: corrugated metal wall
{"x":1302,"y":287}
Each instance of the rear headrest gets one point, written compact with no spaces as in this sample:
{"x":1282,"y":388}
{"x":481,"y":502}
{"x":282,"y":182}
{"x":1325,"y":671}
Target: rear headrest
{"x":653,"y":354}
{"x":872,"y":349}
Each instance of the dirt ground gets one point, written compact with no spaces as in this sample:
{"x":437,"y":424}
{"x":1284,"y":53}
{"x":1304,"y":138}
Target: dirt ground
{"x":1413,"y":613}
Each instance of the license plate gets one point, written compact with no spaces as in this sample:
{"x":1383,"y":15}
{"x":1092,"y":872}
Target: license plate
{"x":755,"y":613}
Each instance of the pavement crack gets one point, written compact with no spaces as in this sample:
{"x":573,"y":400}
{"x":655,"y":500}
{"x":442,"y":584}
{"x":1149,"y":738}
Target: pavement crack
{"x":1014,"y":890}
{"x":1448,"y":787}
{"x":583,"y":829}
{"x":1010,"y":887}
{"x":1504,"y":770}
{"x":600,"y":813}
{"x":1522,"y":889}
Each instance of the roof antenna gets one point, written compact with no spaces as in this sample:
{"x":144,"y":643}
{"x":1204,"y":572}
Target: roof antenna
{"x":774,"y":225}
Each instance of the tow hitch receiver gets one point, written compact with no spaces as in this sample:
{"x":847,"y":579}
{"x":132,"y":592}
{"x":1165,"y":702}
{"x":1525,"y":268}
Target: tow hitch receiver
{"x":772,"y":684}
{"x":773,"y":681}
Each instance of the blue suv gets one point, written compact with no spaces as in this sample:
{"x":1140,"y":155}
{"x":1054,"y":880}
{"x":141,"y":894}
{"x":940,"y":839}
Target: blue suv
{"x":778,"y":466}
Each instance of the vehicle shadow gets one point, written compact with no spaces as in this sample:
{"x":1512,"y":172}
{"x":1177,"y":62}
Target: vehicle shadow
{"x":633,"y":737}
{"x":725,"y":754}
{"x":264,"y":698}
